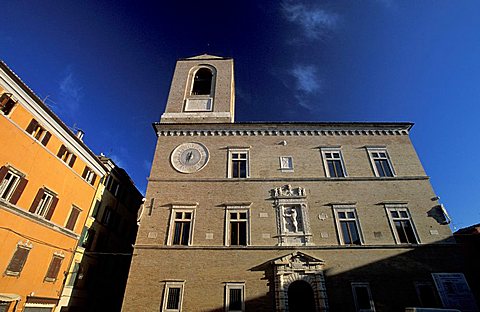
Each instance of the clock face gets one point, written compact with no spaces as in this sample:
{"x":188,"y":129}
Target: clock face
{"x":189,"y":157}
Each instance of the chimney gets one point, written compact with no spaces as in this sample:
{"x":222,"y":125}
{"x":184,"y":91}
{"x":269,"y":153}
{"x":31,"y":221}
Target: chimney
{"x":80,"y":134}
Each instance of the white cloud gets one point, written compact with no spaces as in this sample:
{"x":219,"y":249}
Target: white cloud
{"x":307,"y":83}
{"x":315,"y":22}
{"x":306,"y":78}
{"x":70,"y":92}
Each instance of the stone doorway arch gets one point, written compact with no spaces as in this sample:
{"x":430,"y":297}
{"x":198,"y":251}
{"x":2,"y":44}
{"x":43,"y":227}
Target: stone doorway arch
{"x":299,"y":267}
{"x":301,"y":297}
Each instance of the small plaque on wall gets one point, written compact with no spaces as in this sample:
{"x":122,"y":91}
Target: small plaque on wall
{"x":198,"y":105}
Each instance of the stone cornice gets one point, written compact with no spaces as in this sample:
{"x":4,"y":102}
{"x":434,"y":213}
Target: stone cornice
{"x":284,"y":129}
{"x":316,"y":247}
{"x":37,"y":219}
{"x":285,"y":179}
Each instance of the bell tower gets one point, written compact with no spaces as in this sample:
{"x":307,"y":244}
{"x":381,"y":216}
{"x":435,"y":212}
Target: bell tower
{"x":202,"y":91}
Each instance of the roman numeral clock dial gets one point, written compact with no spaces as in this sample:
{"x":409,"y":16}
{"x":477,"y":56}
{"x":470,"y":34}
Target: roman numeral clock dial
{"x":189,"y":157}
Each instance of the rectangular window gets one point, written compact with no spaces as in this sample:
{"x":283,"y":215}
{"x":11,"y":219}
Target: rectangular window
{"x":18,"y":260}
{"x":402,"y":225}
{"x":67,"y":156}
{"x":107,"y":217}
{"x":182,"y":227}
{"x":235,"y":297}
{"x":427,"y":295}
{"x":73,"y":276}
{"x":89,"y":176}
{"x":72,"y":219}
{"x":8,"y":185}
{"x":238,"y":228}
{"x":38,"y":132}
{"x":362,"y":297}
{"x":54,"y":268}
{"x":89,"y":236}
{"x":381,"y":163}
{"x":44,"y":204}
{"x":333,"y":163}
{"x":238,"y":163}
{"x":286,"y":163}
{"x":7,"y":103}
{"x":172,"y":297}
{"x":348,"y":226}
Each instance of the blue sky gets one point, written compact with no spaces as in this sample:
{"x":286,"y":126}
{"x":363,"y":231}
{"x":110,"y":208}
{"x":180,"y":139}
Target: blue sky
{"x":106,"y":66}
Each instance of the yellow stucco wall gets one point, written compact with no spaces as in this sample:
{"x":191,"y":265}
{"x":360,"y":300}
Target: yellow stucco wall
{"x":42,"y":168}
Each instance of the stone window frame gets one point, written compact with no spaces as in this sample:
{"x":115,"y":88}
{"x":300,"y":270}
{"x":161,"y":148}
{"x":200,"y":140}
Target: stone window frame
{"x":189,"y":89}
{"x":20,"y":245}
{"x":347,"y":208}
{"x":239,"y":208}
{"x":168,"y":286}
{"x":38,"y":132}
{"x":72,"y":218}
{"x":367,"y":286}
{"x":89,"y":175}
{"x":20,"y":179}
{"x":239,"y":150}
{"x":333,"y":149}
{"x":380,"y":149}
{"x":7,"y":103}
{"x":401,"y":208}
{"x":54,"y":268}
{"x":171,"y":228}
{"x":418,"y":285}
{"x":286,"y":166}
{"x":234,"y":285}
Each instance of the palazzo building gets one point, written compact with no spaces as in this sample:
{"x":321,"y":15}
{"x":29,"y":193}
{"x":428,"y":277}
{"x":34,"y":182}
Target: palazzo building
{"x":297,"y":216}
{"x":48,"y":178}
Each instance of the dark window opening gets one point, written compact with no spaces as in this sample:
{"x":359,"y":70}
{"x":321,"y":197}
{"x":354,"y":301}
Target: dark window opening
{"x":235,"y":300}
{"x":202,"y":82}
{"x":6,"y":103}
{"x":239,"y":165}
{"x":173,"y":299}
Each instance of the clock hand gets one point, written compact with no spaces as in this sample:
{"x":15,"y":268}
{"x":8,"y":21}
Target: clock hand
{"x":189,"y":156}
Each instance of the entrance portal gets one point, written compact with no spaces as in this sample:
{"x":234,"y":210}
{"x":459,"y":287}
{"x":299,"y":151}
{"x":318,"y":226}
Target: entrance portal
{"x":301,"y":297}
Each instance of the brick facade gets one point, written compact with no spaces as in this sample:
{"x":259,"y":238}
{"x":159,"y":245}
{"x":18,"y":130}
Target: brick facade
{"x":281,"y":249}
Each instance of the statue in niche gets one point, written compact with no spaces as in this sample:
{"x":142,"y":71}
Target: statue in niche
{"x":290,"y":215}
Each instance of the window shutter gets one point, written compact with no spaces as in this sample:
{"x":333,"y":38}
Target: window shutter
{"x":31,"y":126}
{"x":54,"y":268}
{"x":72,"y":219}
{"x":18,"y":260}
{"x":72,"y":160}
{"x":46,"y":138}
{"x":52,"y":208}
{"x":93,"y":179}
{"x":5,"y":98}
{"x":3,"y":173}
{"x":85,"y":171}
{"x":18,"y":191}
{"x":37,"y":199}
{"x":61,"y":151}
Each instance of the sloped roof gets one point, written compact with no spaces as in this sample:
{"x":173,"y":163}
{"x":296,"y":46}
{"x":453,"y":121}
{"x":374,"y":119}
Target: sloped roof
{"x":205,"y":57}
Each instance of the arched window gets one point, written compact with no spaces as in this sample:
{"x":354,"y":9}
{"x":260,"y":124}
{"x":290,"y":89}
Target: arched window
{"x":202,"y":82}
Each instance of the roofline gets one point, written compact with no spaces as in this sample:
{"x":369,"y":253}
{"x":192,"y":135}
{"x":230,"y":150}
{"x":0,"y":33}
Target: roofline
{"x":37,"y":100}
{"x":404,"y":125}
{"x":219,"y":58}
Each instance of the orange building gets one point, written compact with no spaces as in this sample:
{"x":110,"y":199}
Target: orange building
{"x":48,"y":179}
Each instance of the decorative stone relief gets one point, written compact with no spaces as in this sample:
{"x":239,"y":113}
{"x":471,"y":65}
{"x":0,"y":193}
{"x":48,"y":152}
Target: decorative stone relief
{"x":293,"y":227}
{"x":299,"y":266}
